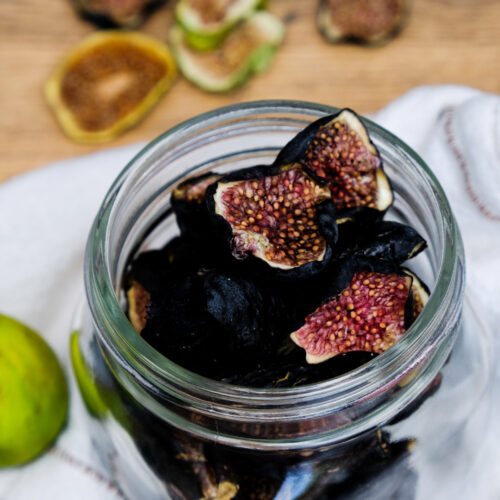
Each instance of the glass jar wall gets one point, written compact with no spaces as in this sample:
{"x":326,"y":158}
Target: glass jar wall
{"x":394,"y":427}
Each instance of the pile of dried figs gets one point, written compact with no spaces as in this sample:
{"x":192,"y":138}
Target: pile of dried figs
{"x":283,"y":274}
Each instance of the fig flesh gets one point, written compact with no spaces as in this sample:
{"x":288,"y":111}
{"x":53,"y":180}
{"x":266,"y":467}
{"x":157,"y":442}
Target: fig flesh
{"x":207,"y":22}
{"x":108,"y":83}
{"x":367,"y":21}
{"x":247,"y":50}
{"x":370,"y":314}
{"x":116,"y":13}
{"x":279,"y":219}
{"x":139,"y":300}
{"x":337,"y":149}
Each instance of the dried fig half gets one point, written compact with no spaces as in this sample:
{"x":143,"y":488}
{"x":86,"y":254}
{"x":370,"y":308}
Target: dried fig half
{"x":279,"y":220}
{"x":188,"y":204}
{"x":108,"y":83}
{"x":337,"y":149}
{"x":247,"y":50}
{"x":369,"y":314}
{"x":207,"y":22}
{"x":420,"y":291}
{"x":139,"y":300}
{"x":385,"y":240}
{"x":116,"y":13}
{"x":367,"y":21}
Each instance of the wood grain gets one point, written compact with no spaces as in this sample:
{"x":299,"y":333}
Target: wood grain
{"x":445,"y":41}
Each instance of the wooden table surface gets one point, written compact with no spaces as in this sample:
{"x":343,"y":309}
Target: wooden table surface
{"x":445,"y":41}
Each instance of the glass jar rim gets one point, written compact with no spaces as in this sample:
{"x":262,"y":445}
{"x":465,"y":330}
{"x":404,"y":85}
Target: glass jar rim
{"x":137,"y":355}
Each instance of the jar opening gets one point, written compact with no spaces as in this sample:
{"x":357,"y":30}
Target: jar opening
{"x":250,"y":134}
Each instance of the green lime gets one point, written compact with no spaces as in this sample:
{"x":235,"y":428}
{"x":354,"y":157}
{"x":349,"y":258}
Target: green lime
{"x":33,"y":393}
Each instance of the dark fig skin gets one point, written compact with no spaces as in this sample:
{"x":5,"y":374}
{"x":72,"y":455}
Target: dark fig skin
{"x":216,"y":322}
{"x":325,"y":216}
{"x":191,"y":214}
{"x":105,"y":21}
{"x":294,"y":152}
{"x":293,"y":373}
{"x":257,"y":318}
{"x":386,"y":240}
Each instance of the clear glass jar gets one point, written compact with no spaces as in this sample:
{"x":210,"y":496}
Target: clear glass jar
{"x":395,"y":427}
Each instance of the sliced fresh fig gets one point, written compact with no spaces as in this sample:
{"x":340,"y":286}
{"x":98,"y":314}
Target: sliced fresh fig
{"x":247,"y":50}
{"x":367,"y":21}
{"x":370,"y":314}
{"x":207,"y":22}
{"x":278,"y":219}
{"x":386,"y":240}
{"x":108,"y":83}
{"x":338,"y":150}
{"x":116,"y":13}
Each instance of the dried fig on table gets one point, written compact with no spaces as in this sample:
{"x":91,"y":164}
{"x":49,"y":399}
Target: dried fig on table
{"x":366,"y":21}
{"x":206,"y":23}
{"x":278,"y":220}
{"x":247,"y":50}
{"x":336,"y":149}
{"x":108,"y":83}
{"x":116,"y":13}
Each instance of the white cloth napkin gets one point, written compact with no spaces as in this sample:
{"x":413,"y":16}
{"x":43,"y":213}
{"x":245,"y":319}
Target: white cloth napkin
{"x":45,"y":217}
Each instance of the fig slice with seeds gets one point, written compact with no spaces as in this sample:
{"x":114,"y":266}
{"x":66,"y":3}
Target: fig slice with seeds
{"x":279,"y":219}
{"x":337,"y":149}
{"x":370,"y":314}
{"x":108,"y":83}
{"x":367,"y":21}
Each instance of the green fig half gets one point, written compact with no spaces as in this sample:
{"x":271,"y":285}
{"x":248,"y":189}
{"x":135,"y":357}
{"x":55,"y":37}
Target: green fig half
{"x":249,"y":49}
{"x":207,"y":22}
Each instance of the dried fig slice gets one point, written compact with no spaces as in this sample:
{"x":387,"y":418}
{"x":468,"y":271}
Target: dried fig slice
{"x":337,"y":149}
{"x":248,"y":49}
{"x":420,"y":291}
{"x":188,"y":204}
{"x":207,"y":22}
{"x":116,"y":13}
{"x":108,"y":83}
{"x":386,"y":240}
{"x":277,"y":219}
{"x":367,"y":21}
{"x":369,"y":314}
{"x":139,"y":300}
